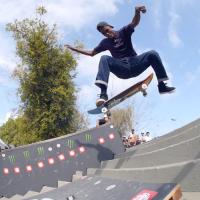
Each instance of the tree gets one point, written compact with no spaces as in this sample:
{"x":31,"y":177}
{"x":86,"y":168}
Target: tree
{"x":45,"y":75}
{"x":15,"y":132}
{"x":122,"y":119}
{"x":81,"y":122}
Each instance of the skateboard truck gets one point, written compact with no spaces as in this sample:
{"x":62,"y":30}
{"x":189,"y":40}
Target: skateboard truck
{"x":106,"y":117}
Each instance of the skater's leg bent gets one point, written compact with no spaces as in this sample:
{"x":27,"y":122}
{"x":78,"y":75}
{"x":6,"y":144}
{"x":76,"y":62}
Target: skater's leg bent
{"x":151,"y":58}
{"x":141,"y":62}
{"x":109,"y":64}
{"x":157,"y":65}
{"x":103,"y":71}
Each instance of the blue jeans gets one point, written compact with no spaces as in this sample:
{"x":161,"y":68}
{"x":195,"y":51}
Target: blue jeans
{"x":129,"y":67}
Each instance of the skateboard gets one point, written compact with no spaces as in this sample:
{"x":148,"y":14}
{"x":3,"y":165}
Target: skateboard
{"x":110,"y":103}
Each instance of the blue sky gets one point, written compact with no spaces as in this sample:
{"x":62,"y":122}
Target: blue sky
{"x":170,"y":27}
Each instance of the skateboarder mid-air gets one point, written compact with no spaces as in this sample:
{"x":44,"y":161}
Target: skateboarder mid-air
{"x":124,"y":62}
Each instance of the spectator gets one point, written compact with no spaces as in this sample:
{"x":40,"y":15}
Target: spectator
{"x":142,"y":138}
{"x":125,"y":141}
{"x":147,"y":137}
{"x":133,"y":140}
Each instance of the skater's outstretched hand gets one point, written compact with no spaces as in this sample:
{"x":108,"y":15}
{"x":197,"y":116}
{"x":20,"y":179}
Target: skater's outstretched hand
{"x":139,"y":9}
{"x":136,"y":18}
{"x":82,"y":51}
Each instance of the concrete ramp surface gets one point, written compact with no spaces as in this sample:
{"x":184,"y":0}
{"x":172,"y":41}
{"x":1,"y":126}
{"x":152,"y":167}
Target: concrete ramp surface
{"x":31,"y":167}
{"x":150,"y":171}
{"x":99,"y":188}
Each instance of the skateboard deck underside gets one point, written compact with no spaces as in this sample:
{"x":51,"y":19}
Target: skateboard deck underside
{"x":123,"y":95}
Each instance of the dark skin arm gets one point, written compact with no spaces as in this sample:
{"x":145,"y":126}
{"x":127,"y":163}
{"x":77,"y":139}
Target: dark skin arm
{"x":84,"y":52}
{"x":136,"y":19}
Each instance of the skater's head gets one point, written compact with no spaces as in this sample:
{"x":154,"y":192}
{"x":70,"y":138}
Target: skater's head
{"x":106,"y":29}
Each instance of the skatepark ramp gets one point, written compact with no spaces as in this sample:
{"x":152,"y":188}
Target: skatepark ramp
{"x":153,"y":170}
{"x":172,"y":158}
{"x":31,"y":167}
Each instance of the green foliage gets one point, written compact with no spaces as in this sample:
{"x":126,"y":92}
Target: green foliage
{"x":47,"y":91}
{"x":15,"y":132}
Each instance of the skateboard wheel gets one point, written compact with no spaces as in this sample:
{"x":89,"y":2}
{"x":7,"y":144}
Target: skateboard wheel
{"x":104,"y":110}
{"x":144,"y":86}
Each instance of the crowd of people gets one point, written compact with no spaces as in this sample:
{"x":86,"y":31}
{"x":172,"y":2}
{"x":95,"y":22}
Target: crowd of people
{"x":134,"y":139}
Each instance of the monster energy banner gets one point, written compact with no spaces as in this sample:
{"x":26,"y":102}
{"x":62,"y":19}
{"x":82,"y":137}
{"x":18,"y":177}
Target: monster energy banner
{"x":43,"y":164}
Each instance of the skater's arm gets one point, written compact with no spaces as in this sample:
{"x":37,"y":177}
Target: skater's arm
{"x":136,"y":18}
{"x":84,"y":52}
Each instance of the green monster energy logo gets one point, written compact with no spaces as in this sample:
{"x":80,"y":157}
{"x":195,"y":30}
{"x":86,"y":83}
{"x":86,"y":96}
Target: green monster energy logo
{"x":40,"y":151}
{"x":26,"y":155}
{"x":12,"y":159}
{"x":70,"y":143}
{"x":88,"y":137}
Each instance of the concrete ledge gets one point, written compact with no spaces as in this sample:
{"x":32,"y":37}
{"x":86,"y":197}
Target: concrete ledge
{"x":185,"y":173}
{"x":180,"y":152}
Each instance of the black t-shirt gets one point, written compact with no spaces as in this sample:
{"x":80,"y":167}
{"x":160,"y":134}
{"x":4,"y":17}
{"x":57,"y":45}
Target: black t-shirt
{"x":121,"y":45}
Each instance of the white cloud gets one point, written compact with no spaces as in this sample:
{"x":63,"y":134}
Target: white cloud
{"x":175,"y":8}
{"x":13,"y":9}
{"x":77,"y":14}
{"x":5,"y":118}
{"x":70,"y":13}
{"x":88,"y":66}
{"x":173,"y":35}
{"x":7,"y":56}
{"x":183,"y":3}
{"x":192,"y":76}
{"x":73,"y":14}
{"x":157,"y":14}
{"x":3,"y":80}
{"x":10,"y":114}
{"x":6,"y":64}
